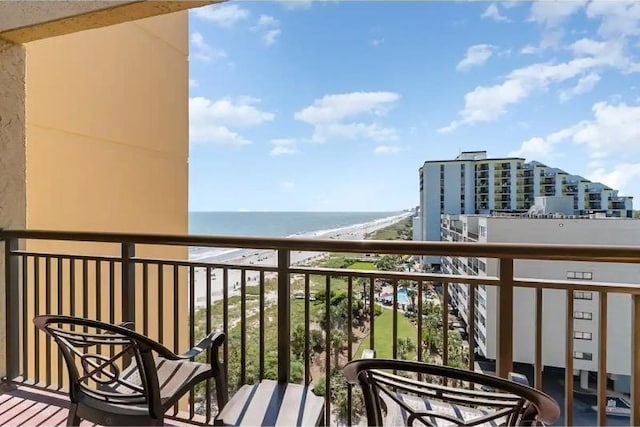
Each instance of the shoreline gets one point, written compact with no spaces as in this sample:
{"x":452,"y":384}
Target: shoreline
{"x":268,"y":257}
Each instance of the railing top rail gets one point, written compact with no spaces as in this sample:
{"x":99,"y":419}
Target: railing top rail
{"x":553,"y":252}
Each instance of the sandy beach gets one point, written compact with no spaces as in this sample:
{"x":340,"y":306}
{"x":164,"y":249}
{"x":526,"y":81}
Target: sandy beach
{"x":266,"y":257}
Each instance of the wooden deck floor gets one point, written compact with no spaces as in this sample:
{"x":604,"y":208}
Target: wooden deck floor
{"x":28,"y":406}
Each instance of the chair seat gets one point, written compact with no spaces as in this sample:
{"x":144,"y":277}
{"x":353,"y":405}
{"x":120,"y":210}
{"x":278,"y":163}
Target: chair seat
{"x":172,"y":376}
{"x":397,"y":415}
{"x":271,"y":403}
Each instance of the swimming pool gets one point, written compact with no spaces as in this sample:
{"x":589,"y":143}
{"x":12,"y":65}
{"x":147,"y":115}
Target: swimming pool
{"x":403,"y":298}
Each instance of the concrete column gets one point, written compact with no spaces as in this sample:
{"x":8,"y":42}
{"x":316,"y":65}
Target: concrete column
{"x":12,"y":158}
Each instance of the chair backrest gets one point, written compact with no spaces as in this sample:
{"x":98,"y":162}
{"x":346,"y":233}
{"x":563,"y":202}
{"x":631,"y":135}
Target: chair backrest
{"x":425,"y":394}
{"x":109,"y":363}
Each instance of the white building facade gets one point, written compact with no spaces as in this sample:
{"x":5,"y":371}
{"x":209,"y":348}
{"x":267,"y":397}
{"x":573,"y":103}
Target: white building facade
{"x":549,"y":230}
{"x":474,"y":184}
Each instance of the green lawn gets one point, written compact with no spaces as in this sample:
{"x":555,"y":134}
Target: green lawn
{"x":383,"y":338}
{"x":362,"y":265}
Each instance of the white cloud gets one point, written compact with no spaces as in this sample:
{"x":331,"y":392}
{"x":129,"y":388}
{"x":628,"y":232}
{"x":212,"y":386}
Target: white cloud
{"x":271,"y":36}
{"x":488,"y":103}
{"x":333,"y":108}
{"x":376,"y":42}
{"x":267,"y":21}
{"x":618,"y":18}
{"x":269,"y":27}
{"x":613,"y":129}
{"x":295,"y":4}
{"x":492,"y":12}
{"x":554,"y":13}
{"x":584,"y":85}
{"x":386,"y":149}
{"x":202,"y":51}
{"x":328,"y":114}
{"x":283,"y":147}
{"x":372,"y":131}
{"x":287,"y":185}
{"x":223,"y":15}
{"x":620,"y":176}
{"x":213,"y":121}
{"x":476,"y":55}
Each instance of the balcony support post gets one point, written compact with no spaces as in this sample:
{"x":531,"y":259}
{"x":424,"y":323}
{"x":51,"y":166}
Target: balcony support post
{"x":635,"y":360}
{"x":12,"y":309}
{"x":504,"y":357}
{"x":284,"y":315}
{"x":129,"y":283}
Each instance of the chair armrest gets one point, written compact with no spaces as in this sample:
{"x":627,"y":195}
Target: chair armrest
{"x":127,"y":325}
{"x":214,"y":339}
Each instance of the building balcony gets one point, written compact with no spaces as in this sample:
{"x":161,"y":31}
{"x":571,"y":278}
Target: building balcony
{"x":268,"y":305}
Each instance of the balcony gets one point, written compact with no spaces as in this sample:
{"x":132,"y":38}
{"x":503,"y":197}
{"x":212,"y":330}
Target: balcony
{"x":269,"y":310}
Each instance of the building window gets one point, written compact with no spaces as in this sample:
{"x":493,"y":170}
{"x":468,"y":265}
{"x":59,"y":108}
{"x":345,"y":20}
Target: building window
{"x":579,"y":335}
{"x":582,"y":355}
{"x":584,"y":315}
{"x":580,"y":275}
{"x":582,"y":295}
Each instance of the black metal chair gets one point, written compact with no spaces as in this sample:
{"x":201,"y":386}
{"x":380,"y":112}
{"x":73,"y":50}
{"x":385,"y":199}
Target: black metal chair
{"x":119,"y":377}
{"x":405,"y":400}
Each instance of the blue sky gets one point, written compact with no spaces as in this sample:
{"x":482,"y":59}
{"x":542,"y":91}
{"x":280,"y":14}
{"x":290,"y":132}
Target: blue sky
{"x":333,"y":106}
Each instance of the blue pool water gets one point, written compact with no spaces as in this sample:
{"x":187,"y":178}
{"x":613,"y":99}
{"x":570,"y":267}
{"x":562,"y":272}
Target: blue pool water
{"x":403,"y":298}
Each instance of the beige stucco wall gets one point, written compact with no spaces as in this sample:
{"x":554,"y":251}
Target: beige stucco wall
{"x":107,"y":147}
{"x":12,"y":156}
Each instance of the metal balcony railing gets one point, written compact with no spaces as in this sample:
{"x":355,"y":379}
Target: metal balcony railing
{"x":115,"y":277}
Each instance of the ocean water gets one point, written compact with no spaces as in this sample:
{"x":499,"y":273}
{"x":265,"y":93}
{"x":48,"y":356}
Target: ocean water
{"x":276,"y":224}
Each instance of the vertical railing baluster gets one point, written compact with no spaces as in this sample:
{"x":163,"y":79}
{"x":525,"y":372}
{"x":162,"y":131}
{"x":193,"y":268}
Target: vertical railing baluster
{"x":98,"y":272}
{"x":59,"y":284}
{"x":372,"y":314}
{"x":48,"y":309}
{"x":419,"y":314}
{"x":225,"y":320}
{"x":207,"y":331}
{"x":635,"y":360}
{"x":176,"y":305}
{"x":85,"y":289}
{"x":568,"y":370}
{"x":261,"y":325}
{"x":192,"y":328}
{"x":112,"y":297}
{"x":472,"y":325}
{"x":537,"y":366}
{"x":128,"y":282}
{"x":243,"y":325}
{"x":145,"y":297}
{"x":504,"y":336}
{"x":602,"y":360}
{"x":160,"y":314}
{"x":307,"y":332}
{"x":176,"y":318}
{"x":284,"y":315}
{"x":327,"y":345}
{"x":394,"y":328}
{"x":36,"y":311}
{"x":445,"y":326}
{"x":72,"y":287}
{"x":12,"y":295}
{"x":24,"y":318}
{"x":349,"y":340}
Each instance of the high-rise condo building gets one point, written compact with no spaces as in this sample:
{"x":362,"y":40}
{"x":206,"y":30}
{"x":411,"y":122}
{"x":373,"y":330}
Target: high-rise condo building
{"x":549,"y":229}
{"x":474,"y":184}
